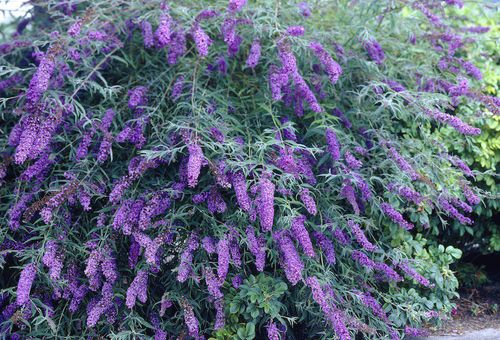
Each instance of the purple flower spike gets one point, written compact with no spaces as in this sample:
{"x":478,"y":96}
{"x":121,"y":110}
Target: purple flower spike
{"x":26,"y":279}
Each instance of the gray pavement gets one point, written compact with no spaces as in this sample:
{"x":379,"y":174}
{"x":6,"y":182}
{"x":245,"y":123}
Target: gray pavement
{"x":484,"y":334}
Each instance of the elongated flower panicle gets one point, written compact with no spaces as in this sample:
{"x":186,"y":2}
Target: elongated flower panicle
{"x":138,"y":289}
{"x":407,"y":193}
{"x":222,"y":259}
{"x":330,"y":311}
{"x":147,"y":34}
{"x":300,"y":233}
{"x":470,"y":196}
{"x":290,"y":259}
{"x":326,"y":246}
{"x":257,"y":246}
{"x":194,"y":164}
{"x":402,"y":163}
{"x":333,"y":145}
{"x":186,"y":258}
{"x":236,"y":5}
{"x":254,"y":54}
{"x":53,"y":260}
{"x":24,"y":284}
{"x":349,"y":194}
{"x":190,"y":320}
{"x":308,"y":200}
{"x":295,"y":31}
{"x":265,"y":204}
{"x":177,"y":47}
{"x":273,"y":332}
{"x":201,"y":40}
{"x":332,"y":68}
{"x":411,"y":272}
{"x":360,"y":236}
{"x":39,"y":83}
{"x":351,"y":161}
{"x":373,"y":304}
{"x":453,"y":121}
{"x":395,"y":216}
{"x":177,"y":88}
{"x":164,"y":32}
{"x":240,"y":188}
{"x":219,"y":316}
{"x":374,"y":50}
{"x":137,"y":97}
{"x":452,"y":211}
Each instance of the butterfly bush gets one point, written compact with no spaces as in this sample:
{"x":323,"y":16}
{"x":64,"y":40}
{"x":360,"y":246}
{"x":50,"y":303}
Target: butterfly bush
{"x":155,"y":156}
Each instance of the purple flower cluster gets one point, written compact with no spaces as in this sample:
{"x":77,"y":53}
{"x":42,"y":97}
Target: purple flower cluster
{"x":326,"y":246}
{"x":279,"y":79}
{"x":194,"y":164}
{"x":138,"y":289}
{"x":75,"y":28}
{"x":351,"y":161}
{"x":190,"y":320}
{"x":102,"y":306}
{"x":453,"y":121}
{"x":53,"y":259}
{"x":452,"y":211}
{"x":340,"y":236}
{"x":137,"y":97}
{"x":308,"y":201}
{"x":360,"y":236}
{"x":374,"y":50}
{"x":177,"y":47}
{"x":163,"y":33}
{"x":333,"y":145}
{"x":222,"y":259}
{"x":272,"y":332}
{"x":186,"y":258}
{"x":177,"y":88}
{"x":472,"y":198}
{"x":331,"y":312}
{"x":147,"y":34}
{"x":257,"y":246}
{"x":24,"y":284}
{"x":219,"y":316}
{"x":40,"y":81}
{"x":295,"y":31}
{"x":461,"y":165}
{"x":299,"y":232}
{"x":370,"y":302}
{"x":332,"y":68}
{"x":395,"y":216}
{"x":368,"y":263}
{"x":240,"y":189}
{"x":349,"y":193}
{"x":265,"y":203}
{"x":231,"y":37}
{"x":411,"y":272}
{"x":407,"y":193}
{"x":290,"y":258}
{"x":254,"y":54}
{"x":236,"y":5}
{"x":201,"y":40}
{"x":402,"y":163}
{"x":213,"y":283}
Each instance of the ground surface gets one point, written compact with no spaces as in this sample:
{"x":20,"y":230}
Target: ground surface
{"x":476,"y":317}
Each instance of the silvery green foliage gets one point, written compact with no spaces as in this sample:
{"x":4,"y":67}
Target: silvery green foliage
{"x":158,"y":155}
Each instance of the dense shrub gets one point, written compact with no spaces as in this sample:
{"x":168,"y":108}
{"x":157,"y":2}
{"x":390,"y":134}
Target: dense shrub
{"x":482,"y":153}
{"x":231,"y":170}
